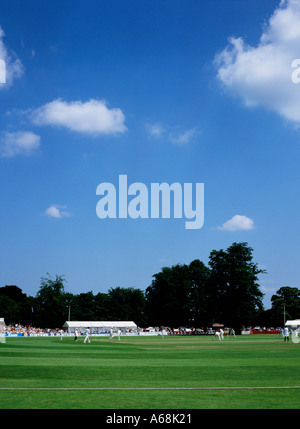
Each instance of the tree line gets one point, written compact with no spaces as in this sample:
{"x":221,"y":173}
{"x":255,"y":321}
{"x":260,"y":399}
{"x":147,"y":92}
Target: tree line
{"x":226,"y":290}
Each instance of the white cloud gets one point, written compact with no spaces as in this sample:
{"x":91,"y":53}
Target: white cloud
{"x":155,"y":130}
{"x":183,"y":138}
{"x":262,"y":75}
{"x":158,"y":130}
{"x":57,"y":211}
{"x":91,"y":117}
{"x":11,"y":67}
{"x":18,"y":143}
{"x":237,"y":223}
{"x":268,"y":289}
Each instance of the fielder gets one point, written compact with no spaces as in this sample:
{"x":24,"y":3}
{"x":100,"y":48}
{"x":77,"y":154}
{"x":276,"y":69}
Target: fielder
{"x":87,"y":336}
{"x":217,"y":334}
{"x":232,"y":332}
{"x":286,"y":334}
{"x":222,"y":334}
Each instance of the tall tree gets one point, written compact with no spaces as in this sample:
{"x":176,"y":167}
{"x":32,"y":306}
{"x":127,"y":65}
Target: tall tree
{"x":218,"y":286}
{"x":127,"y":304}
{"x":9,"y":310}
{"x":51,"y":311}
{"x":199,"y":275}
{"x":168,"y":297}
{"x":102,"y":308}
{"x":235,"y":294}
{"x":285,"y":303}
{"x":22,"y":308}
{"x":84,"y":307}
{"x":13,"y":292}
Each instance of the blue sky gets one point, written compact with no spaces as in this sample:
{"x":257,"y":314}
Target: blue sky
{"x":186,"y":91}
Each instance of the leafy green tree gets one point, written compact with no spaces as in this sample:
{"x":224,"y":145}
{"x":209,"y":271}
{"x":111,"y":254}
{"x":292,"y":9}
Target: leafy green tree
{"x":83,"y":307}
{"x":9,"y":310}
{"x":102,"y":307}
{"x":19,"y":311}
{"x":51,"y":311}
{"x":218,"y":286}
{"x":199,"y":275}
{"x":69,"y":304}
{"x":127,"y":304}
{"x":285,"y":303}
{"x":235,"y":295}
{"x":168,"y":297}
{"x":13,"y":292}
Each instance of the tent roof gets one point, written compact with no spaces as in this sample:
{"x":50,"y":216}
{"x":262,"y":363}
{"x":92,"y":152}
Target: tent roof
{"x":295,"y":322}
{"x":86,"y":324}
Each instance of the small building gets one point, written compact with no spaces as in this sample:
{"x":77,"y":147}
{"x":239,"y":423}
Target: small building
{"x":100,"y":326}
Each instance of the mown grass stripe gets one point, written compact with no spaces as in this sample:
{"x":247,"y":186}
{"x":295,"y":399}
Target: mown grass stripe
{"x":148,"y":388}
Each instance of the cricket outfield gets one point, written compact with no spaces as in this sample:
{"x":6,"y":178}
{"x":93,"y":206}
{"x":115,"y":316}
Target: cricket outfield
{"x":174,"y":372}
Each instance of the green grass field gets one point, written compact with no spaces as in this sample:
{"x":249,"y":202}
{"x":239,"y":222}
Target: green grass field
{"x":193,"y":372}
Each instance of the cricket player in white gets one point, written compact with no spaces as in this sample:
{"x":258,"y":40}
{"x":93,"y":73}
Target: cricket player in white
{"x":217,"y":334}
{"x":87,"y":335}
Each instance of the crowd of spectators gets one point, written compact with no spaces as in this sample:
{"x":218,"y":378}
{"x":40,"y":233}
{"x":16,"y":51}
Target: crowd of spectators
{"x":25,"y":330}
{"x":29,"y":330}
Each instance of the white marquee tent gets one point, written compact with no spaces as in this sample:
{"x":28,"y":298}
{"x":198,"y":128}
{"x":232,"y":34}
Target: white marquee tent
{"x":293,"y":324}
{"x":99,"y":326}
